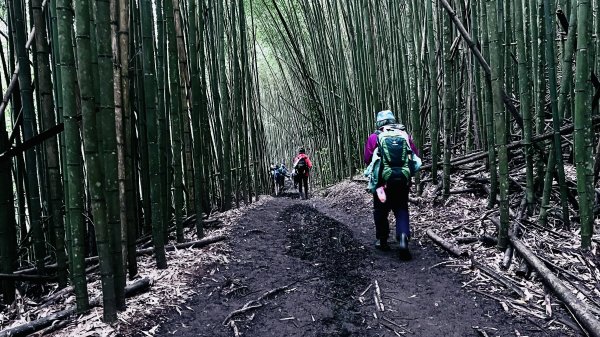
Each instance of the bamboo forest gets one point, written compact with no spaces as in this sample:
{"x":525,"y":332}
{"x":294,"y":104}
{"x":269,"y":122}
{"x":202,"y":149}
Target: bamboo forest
{"x":228,"y":168}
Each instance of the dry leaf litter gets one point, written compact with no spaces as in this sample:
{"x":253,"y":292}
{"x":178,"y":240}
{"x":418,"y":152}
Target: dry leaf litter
{"x":170,"y":288}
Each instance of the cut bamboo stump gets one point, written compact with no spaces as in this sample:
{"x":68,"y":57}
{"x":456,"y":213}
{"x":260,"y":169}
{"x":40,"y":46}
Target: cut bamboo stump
{"x":447,"y":246}
{"x":31,"y":327}
{"x":577,"y":307}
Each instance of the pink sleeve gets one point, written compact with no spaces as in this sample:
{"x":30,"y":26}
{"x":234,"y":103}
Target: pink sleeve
{"x":412,"y":146}
{"x":370,"y":147}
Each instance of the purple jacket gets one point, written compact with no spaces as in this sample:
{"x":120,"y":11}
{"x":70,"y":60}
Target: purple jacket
{"x":371,"y":145}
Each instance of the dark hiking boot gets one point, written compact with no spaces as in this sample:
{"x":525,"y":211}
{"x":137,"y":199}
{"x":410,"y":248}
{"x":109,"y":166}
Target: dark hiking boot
{"x":403,"y":245}
{"x":382,"y":245}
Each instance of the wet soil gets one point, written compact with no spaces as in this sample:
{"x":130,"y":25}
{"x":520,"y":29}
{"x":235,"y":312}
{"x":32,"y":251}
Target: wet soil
{"x":325,"y":257}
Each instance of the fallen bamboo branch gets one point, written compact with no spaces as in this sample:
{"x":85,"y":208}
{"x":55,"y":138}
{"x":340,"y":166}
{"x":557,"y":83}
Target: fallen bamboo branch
{"x":447,"y":246}
{"x":247,"y":307}
{"x":467,"y":190}
{"x":578,"y":309}
{"x":193,"y":244}
{"x":499,"y":278}
{"x":28,"y":278}
{"x":14,"y":79}
{"x":485,"y":239}
{"x":31,"y":327}
{"x":254,"y":304}
{"x":482,"y":155}
{"x":377,"y":297}
{"x":559,"y":269}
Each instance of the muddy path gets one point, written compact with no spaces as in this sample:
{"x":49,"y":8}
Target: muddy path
{"x":317,"y":260}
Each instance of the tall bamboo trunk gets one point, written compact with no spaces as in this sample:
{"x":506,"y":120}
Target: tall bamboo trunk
{"x":556,"y":119}
{"x":176,"y":116}
{"x":499,"y":121}
{"x":73,"y":169}
{"x":433,"y":84}
{"x":152,"y":130}
{"x":29,"y":127}
{"x":129,"y":182}
{"x":8,"y":224}
{"x":525,"y":95}
{"x":583,"y":138}
{"x":46,"y":107}
{"x":448,"y":102}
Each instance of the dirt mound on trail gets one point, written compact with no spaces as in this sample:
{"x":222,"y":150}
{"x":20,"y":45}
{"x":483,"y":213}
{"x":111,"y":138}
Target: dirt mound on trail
{"x":328,"y":244}
{"x":349,"y":196}
{"x":336,"y":254}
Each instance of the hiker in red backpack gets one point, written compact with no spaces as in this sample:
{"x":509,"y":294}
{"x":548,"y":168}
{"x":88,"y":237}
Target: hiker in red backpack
{"x":395,"y":152}
{"x":302,"y":167}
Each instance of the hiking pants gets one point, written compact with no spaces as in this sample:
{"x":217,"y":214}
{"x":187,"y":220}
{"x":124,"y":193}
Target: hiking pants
{"x":302,"y":181}
{"x":397,"y":201}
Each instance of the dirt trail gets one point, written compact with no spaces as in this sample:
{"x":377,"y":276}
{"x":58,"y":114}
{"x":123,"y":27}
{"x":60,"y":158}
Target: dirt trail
{"x":325,"y":257}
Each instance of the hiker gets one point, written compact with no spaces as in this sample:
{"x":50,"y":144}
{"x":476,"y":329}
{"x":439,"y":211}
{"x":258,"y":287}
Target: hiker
{"x":295,"y":178}
{"x":278,"y":174}
{"x":393,"y":159}
{"x":302,"y":167}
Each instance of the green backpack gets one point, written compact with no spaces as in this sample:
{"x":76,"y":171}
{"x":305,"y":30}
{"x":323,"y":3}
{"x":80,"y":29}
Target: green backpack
{"x":395,"y":153}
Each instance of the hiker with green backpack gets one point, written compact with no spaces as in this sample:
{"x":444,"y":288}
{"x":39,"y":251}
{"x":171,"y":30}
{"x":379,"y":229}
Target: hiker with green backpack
{"x":393,"y":160}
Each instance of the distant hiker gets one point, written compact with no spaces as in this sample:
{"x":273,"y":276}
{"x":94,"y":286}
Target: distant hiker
{"x":295,"y":178}
{"x":302,"y":167}
{"x":392,"y":159}
{"x":278,"y":173}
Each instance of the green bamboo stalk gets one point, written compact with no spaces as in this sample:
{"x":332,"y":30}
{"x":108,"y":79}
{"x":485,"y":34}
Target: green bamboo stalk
{"x":238,"y":106}
{"x":197,"y":109}
{"x":131,"y":213}
{"x":142,"y":146}
{"x":433,"y":83}
{"x":225,"y":106}
{"x":489,"y":116}
{"x":29,"y":130}
{"x":152,"y":131}
{"x":162,"y":113}
{"x":51,"y":145}
{"x":8,"y":225}
{"x":185,"y":106}
{"x":499,"y":121}
{"x":106,"y":109}
{"x":73,"y":169}
{"x":481,"y":130}
{"x":448,"y":102}
{"x":567,"y":64}
{"x":415,"y":86}
{"x":583,"y":136}
{"x":57,"y":87}
{"x":538,"y":25}
{"x":525,"y":95}
{"x":176,"y":116}
{"x":556,"y":120}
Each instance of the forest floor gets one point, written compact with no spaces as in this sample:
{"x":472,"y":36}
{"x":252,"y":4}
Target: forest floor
{"x":309,"y":268}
